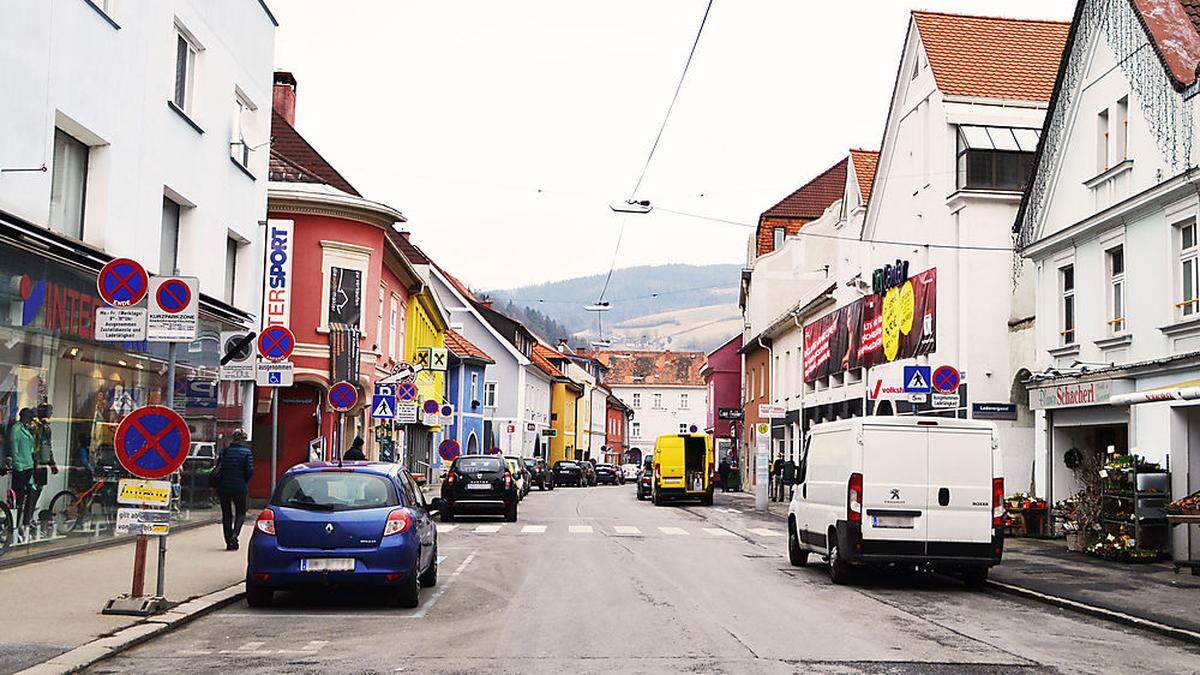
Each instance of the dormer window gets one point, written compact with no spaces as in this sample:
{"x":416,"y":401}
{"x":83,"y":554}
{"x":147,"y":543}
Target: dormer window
{"x":995,"y":158}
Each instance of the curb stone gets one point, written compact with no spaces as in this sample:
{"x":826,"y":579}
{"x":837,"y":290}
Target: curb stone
{"x":97,"y":650}
{"x":1093,"y":611}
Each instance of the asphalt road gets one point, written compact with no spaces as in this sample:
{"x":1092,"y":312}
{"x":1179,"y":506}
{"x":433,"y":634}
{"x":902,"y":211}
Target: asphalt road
{"x":591,"y":580}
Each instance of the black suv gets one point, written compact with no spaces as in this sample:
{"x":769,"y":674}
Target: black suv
{"x":539,"y":474}
{"x":645,"y":479}
{"x":479,"y":484}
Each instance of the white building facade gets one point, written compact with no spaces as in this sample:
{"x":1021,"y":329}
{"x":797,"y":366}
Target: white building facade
{"x":1110,"y":225}
{"x":661,"y":409}
{"x":139,"y":130}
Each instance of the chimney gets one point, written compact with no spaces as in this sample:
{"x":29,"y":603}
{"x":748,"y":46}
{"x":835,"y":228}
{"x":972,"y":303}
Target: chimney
{"x":283,"y":98}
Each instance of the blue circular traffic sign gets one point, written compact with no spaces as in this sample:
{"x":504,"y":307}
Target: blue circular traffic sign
{"x":431,"y":407}
{"x":946,"y":379}
{"x":173,"y":296}
{"x":276,"y":343}
{"x":406,"y":391}
{"x":449,"y":449}
{"x":343,"y":396}
{"x":152,"y":442}
{"x":122,"y":282}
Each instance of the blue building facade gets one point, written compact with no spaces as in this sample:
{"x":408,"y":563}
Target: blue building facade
{"x":465,"y":390}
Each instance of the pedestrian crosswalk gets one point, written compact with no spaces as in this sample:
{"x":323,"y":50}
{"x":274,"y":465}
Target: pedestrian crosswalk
{"x":567,"y":529}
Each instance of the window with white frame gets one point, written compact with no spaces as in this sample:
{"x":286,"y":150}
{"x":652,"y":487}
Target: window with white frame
{"x":1116,"y":289}
{"x":635,"y":429}
{"x":1121,"y":127}
{"x":393,"y":325}
{"x":1189,"y":271}
{"x":683,"y":401}
{"x":1066,"y":281}
{"x":658,"y":401}
{"x":185,"y":70}
{"x":243,"y":122}
{"x":489,"y":394}
{"x":68,"y":184}
{"x":637,"y":400}
{"x":379,"y":344}
{"x":1102,"y":133}
{"x":777,"y":237}
{"x":474,"y":387}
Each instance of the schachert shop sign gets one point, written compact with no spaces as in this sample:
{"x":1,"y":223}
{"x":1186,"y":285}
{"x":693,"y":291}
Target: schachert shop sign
{"x":1071,"y":395}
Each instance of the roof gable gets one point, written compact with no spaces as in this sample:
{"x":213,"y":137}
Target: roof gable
{"x":812,"y":198}
{"x":864,"y":163}
{"x":295,"y":160}
{"x":464,"y":348}
{"x":992,"y":57}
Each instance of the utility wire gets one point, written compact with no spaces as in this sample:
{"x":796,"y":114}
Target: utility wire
{"x":821,"y":235}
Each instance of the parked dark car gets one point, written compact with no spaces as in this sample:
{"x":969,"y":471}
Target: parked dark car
{"x":540,"y":474}
{"x":645,"y":479}
{"x":607,"y":474}
{"x":358,"y":524}
{"x":589,"y":471}
{"x":479,"y":484}
{"x":568,"y":472}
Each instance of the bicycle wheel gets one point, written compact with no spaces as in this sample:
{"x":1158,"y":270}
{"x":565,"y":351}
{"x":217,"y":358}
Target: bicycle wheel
{"x":7,"y":529}
{"x":66,"y":512}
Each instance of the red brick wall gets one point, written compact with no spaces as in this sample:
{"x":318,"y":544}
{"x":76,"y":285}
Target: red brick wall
{"x":766,"y":231}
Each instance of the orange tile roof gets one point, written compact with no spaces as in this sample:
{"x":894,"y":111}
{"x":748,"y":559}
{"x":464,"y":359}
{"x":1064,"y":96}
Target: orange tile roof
{"x":296,"y":160}
{"x":992,"y":57}
{"x":811,"y":199}
{"x":1174,"y":26}
{"x":541,"y":358}
{"x":650,"y":367}
{"x":864,"y":162}
{"x":464,"y":348}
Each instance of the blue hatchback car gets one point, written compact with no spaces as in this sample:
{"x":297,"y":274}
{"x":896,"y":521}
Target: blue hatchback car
{"x":359,"y":524}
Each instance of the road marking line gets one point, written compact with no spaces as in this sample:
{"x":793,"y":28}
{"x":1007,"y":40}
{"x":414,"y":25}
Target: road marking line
{"x":441,"y":559}
{"x":673,"y":531}
{"x":718,"y":532}
{"x":626,"y":529}
{"x":762,"y":532}
{"x":252,"y":648}
{"x":580,"y":529}
{"x":533,"y":529}
{"x":726,"y":509}
{"x":428,"y":604}
{"x":312,"y":647}
{"x":487,"y":529}
{"x":446,"y":527}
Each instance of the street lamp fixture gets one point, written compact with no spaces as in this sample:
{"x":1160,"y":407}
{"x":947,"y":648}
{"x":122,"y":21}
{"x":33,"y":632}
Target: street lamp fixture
{"x":631,"y":206}
{"x":602,"y":306}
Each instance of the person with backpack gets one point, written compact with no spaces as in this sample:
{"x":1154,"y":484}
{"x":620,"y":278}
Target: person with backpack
{"x":233,"y":470}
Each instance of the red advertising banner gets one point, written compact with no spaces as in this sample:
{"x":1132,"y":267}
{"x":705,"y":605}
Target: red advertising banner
{"x":899,"y":324}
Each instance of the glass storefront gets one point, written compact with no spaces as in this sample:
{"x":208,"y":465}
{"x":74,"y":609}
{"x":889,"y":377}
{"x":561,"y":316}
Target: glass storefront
{"x":76,"y":392}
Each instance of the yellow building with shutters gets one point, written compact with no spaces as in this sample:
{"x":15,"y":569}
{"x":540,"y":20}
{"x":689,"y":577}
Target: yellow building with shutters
{"x":564,"y":404}
{"x":425,"y":345}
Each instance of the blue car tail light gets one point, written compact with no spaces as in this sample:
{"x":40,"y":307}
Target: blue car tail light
{"x":266,"y":522}
{"x":398,"y":522}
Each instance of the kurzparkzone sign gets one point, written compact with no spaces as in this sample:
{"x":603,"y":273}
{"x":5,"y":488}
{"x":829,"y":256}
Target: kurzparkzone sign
{"x":1071,"y":395}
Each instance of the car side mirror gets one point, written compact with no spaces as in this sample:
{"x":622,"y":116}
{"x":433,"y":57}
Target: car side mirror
{"x":437,"y":505}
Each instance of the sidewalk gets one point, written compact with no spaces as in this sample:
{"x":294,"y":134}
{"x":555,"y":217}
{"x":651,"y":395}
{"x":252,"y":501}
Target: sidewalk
{"x":54,"y":605}
{"x":1044,"y":569}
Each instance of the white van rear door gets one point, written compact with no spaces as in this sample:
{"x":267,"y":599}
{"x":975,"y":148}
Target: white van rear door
{"x":960,"y":485}
{"x":895,"y":470}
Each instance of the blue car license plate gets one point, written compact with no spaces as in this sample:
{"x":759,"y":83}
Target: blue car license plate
{"x":327,"y":565}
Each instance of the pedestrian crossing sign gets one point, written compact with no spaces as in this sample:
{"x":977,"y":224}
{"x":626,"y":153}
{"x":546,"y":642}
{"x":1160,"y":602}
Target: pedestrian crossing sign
{"x":917,"y":380}
{"x":383,"y":407}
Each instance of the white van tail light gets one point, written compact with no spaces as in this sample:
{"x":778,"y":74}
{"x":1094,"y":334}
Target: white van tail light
{"x":854,"y":498}
{"x":265,"y":522}
{"x":398,"y":522}
{"x":997,"y":502}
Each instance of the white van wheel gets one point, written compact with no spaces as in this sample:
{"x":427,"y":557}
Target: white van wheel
{"x":797,"y":555}
{"x":839,"y":569}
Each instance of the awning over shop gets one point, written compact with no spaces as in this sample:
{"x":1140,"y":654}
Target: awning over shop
{"x":998,"y":138}
{"x":1182,"y":391}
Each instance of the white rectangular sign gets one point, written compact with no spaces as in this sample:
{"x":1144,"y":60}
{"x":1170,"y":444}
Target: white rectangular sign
{"x":771,"y":411}
{"x":406,"y":412}
{"x":277,"y":274}
{"x":143,"y":521}
{"x":120,"y":324}
{"x":274,"y":374}
{"x":174,"y":309}
{"x":945,"y":400}
{"x":241,"y":365}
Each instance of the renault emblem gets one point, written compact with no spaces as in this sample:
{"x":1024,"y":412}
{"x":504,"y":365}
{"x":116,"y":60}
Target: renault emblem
{"x":328,"y":528}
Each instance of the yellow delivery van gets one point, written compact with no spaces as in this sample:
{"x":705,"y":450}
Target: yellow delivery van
{"x":684,"y":468}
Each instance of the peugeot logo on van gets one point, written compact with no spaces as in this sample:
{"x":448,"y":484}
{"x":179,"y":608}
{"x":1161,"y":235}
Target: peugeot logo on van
{"x":894,"y":495}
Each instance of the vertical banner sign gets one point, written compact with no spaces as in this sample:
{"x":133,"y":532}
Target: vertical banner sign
{"x":277,"y":277}
{"x":343,"y":352}
{"x":900,"y":323}
{"x":345,"y":296}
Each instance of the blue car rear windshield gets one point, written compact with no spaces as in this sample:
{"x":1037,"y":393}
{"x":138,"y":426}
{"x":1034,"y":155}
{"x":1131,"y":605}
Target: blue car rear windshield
{"x":335,"y":491}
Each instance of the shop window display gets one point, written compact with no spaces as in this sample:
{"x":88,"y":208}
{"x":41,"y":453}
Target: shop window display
{"x":75,"y":391}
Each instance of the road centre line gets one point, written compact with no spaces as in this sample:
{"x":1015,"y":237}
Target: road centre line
{"x":580,"y":529}
{"x":533,"y":529}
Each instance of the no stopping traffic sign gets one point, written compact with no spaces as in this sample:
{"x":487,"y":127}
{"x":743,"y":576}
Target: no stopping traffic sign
{"x":122,"y":282}
{"x":152,"y":441}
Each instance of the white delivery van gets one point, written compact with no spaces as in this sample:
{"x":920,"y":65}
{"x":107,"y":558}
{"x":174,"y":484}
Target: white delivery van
{"x":914,"y":491}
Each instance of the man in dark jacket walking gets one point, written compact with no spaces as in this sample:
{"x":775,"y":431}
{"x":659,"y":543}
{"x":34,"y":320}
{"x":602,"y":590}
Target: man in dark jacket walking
{"x":234,"y":467}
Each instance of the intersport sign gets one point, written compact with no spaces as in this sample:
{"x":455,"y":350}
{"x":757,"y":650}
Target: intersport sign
{"x":277,"y":273}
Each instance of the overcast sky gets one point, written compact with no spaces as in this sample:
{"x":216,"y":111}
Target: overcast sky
{"x":503,"y":129}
